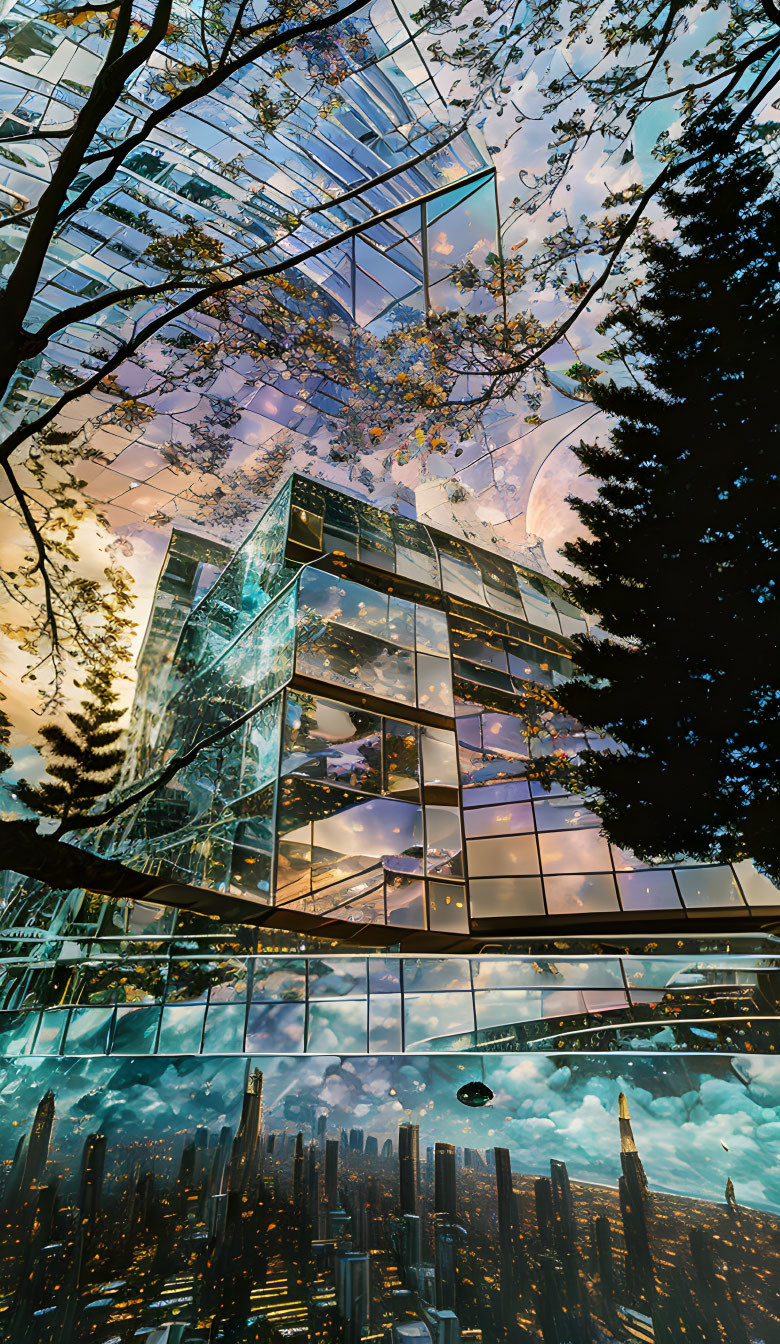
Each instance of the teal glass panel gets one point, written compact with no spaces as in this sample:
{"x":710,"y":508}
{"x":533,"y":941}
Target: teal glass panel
{"x":436,"y":974}
{"x":224,"y":1031}
{"x":328,"y":741}
{"x":337,"y":977}
{"x":51,"y":1031}
{"x":87,"y":1032}
{"x":385,"y":1024}
{"x":17,"y":1032}
{"x":340,"y":1025}
{"x":135,"y":1031}
{"x":497,"y":1007}
{"x":278,"y":979}
{"x":251,"y":579}
{"x":181,"y":1029}
{"x":345,"y":639}
{"x":428,"y":1017}
{"x":275,"y":1028}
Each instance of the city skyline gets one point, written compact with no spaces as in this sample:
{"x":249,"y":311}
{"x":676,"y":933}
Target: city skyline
{"x":260,"y":1235}
{"x":702,"y":1121}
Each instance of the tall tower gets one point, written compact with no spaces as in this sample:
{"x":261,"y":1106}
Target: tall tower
{"x":508,"y":1239}
{"x":246,"y":1145}
{"x":563,"y":1207}
{"x":409,"y":1166}
{"x":444,"y":1178}
{"x":332,"y":1174}
{"x":445,"y":1250}
{"x":38,"y":1142}
{"x":629,"y":1157}
{"x":640,"y":1274}
{"x":91,"y":1184}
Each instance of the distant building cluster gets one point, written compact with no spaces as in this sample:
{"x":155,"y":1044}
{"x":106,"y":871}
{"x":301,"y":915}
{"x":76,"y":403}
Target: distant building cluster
{"x":268,"y":1234}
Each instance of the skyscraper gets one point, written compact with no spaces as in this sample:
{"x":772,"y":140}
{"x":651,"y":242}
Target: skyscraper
{"x":408,"y":1166}
{"x":356,"y":1140}
{"x":352,"y":1293}
{"x":244,"y":1159}
{"x":38,"y":1144}
{"x":332,"y":1174}
{"x":508,"y":1241}
{"x":444,"y":1194}
{"x":563,"y":1207}
{"x":629,"y":1157}
{"x":91,"y":1180}
{"x":632,"y":1186}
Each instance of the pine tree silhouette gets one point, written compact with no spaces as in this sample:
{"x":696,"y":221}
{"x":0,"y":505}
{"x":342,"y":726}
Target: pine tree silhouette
{"x":681,"y":560}
{"x":6,"y":759}
{"x":83,"y":762}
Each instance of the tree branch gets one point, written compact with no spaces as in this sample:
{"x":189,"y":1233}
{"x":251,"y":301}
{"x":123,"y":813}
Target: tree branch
{"x":65,"y":867}
{"x":24,"y":432}
{"x":194,"y":93}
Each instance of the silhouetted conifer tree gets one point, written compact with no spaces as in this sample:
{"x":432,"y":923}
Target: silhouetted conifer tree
{"x":681,"y":561}
{"x":83,"y":761}
{"x":6,"y":759}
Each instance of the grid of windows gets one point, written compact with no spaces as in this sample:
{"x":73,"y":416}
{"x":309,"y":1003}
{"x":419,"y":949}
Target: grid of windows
{"x":385,"y":764}
{"x":380,"y":1004}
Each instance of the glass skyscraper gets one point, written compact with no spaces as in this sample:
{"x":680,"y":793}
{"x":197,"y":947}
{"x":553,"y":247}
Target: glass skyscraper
{"x":385,"y":744}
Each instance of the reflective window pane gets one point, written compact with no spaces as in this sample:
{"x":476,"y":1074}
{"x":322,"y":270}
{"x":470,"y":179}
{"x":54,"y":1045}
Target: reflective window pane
{"x":506,"y":819}
{"x":506,"y":897}
{"x":135,"y":1031}
{"x":497,"y":1007}
{"x":275,"y":1028}
{"x":87,"y":1032}
{"x":574,"y":852}
{"x":336,"y":1027}
{"x":591,"y":893}
{"x":224,"y":1033}
{"x":439,"y":757}
{"x":385,"y":1024}
{"x":505,"y":855}
{"x":337,"y":977}
{"x":181,"y":1030}
{"x":702,"y":887}
{"x":650,"y":890}
{"x":447,"y":907}
{"x":756,"y":887}
{"x":274,"y":978}
{"x":429,"y":1016}
{"x":405,"y":899}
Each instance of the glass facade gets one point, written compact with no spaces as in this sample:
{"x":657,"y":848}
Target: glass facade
{"x":381,"y":741}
